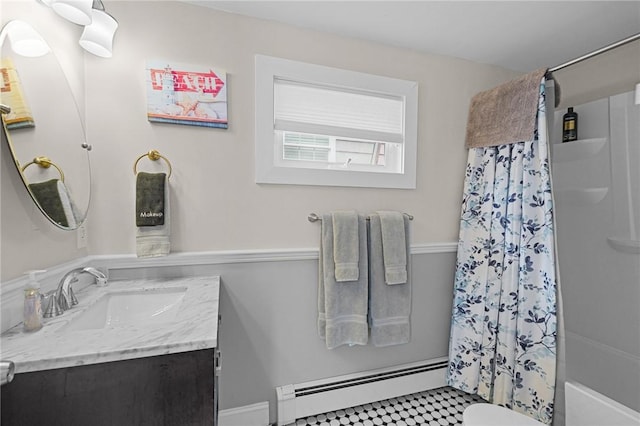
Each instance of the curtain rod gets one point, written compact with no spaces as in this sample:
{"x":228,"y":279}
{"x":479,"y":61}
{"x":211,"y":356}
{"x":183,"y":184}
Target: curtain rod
{"x":596,"y":52}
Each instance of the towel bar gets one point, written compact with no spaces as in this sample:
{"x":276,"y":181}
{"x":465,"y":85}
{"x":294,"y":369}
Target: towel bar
{"x":153,"y":155}
{"x":45,"y":163}
{"x":314,"y":217}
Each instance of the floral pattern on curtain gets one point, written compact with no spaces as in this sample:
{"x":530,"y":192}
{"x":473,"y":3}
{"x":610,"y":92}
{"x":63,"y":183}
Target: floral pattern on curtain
{"x":503,"y":330}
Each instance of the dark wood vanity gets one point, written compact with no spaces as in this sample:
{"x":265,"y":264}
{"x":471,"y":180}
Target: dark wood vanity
{"x":136,"y":373}
{"x":175,"y":389}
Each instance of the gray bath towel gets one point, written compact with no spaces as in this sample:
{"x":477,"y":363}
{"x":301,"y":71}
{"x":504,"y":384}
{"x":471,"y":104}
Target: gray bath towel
{"x":342,"y":307}
{"x":346,"y":250}
{"x":389,"y":305}
{"x":394,"y":243}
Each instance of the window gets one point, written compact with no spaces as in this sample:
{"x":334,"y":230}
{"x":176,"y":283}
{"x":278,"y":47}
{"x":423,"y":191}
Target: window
{"x":317,"y":125}
{"x":298,"y":149}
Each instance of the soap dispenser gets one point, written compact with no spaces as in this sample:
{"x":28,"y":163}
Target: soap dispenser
{"x":32,"y":303}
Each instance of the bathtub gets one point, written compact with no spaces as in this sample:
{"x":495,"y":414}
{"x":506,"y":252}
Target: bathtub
{"x":586,"y":407}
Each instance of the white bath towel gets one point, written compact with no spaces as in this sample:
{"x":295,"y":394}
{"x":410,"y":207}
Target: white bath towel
{"x":346,"y":244}
{"x":342,"y":307}
{"x":154,"y":241}
{"x":389,"y":305}
{"x":393,"y":247}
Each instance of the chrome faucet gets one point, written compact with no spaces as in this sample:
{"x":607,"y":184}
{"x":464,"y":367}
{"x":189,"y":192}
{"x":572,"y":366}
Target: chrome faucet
{"x":63,"y":298}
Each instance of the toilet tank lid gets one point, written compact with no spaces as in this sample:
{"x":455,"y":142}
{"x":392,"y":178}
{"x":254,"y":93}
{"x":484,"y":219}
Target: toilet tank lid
{"x":483,"y":414}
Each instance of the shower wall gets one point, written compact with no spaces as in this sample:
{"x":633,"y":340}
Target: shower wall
{"x":597,"y":193}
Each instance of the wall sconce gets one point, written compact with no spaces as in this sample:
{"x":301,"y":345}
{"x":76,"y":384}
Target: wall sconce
{"x":76,"y":11}
{"x":99,"y":26}
{"x":23,"y":39}
{"x":97,"y":37}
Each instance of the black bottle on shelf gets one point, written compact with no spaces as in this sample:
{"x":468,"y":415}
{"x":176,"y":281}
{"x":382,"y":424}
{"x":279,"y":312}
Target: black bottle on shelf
{"x":570,"y":126}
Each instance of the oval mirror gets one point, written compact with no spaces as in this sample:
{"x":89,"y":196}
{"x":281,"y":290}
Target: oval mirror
{"x":43,"y":126}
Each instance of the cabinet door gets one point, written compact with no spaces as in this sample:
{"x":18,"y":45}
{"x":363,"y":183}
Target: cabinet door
{"x":174,"y":389}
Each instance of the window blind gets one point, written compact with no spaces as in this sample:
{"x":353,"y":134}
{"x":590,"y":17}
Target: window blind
{"x":315,"y":109}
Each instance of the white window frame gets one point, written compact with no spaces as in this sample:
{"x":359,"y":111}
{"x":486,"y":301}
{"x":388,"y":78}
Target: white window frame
{"x":269,"y":168}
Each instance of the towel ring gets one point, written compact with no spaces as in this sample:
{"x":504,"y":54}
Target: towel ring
{"x":153,"y":155}
{"x":45,"y":163}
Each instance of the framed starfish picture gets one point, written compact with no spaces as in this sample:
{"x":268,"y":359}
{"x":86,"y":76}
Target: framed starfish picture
{"x":194,"y":95}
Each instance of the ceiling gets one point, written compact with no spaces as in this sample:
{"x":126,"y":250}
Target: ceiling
{"x":518,"y":35}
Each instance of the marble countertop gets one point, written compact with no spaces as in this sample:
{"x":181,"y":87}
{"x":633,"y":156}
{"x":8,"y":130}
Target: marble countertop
{"x":195,"y":327}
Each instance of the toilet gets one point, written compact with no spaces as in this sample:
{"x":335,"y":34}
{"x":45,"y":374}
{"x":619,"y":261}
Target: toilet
{"x":483,"y":414}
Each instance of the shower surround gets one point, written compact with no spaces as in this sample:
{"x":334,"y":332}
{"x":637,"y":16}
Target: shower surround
{"x":597,"y":191}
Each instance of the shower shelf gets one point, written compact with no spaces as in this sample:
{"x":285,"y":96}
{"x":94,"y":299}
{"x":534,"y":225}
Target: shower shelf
{"x":577,"y":150}
{"x":624,"y":245}
{"x":581,"y":195}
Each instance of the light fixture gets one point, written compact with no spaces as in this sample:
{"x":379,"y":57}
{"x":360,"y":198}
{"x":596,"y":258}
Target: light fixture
{"x":97,"y":37}
{"x":638,"y":94}
{"x":76,"y":11}
{"x":23,"y":39}
{"x":99,"y":26}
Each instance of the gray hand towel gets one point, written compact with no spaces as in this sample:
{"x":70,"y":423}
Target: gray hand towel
{"x":53,"y":198}
{"x":346,"y":245}
{"x":153,"y":241}
{"x":150,"y":199}
{"x":389,"y":305}
{"x":393,"y":247}
{"x":342,"y":307}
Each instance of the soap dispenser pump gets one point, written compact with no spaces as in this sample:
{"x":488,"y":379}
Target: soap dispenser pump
{"x":32,"y":303}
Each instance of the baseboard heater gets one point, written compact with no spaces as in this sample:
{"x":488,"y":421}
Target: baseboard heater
{"x":310,"y":398}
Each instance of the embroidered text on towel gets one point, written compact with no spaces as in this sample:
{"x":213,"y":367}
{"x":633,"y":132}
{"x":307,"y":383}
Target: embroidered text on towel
{"x":151,"y":214}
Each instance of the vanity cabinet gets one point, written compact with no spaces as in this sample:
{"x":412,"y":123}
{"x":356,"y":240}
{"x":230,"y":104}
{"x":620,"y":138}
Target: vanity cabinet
{"x":140,"y":371}
{"x":176,"y":389}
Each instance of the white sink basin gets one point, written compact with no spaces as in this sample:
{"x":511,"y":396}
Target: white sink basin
{"x":136,"y":307}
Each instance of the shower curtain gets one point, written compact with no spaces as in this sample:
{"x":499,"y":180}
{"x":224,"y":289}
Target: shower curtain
{"x":503,"y":329}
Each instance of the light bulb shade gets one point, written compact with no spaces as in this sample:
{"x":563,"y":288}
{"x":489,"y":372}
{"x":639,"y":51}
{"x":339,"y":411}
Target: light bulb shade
{"x":76,"y":11}
{"x":24,"y":40}
{"x":638,"y":94}
{"x":97,"y":38}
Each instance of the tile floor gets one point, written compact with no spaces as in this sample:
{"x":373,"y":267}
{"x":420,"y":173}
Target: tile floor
{"x":436,"y":407}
